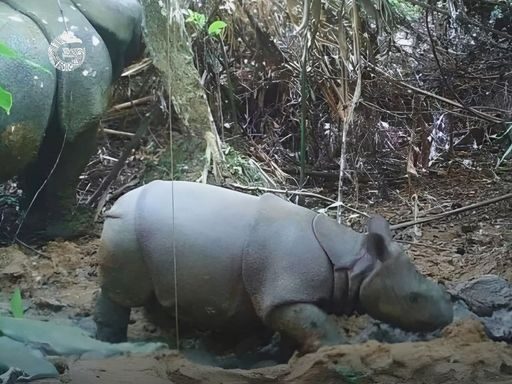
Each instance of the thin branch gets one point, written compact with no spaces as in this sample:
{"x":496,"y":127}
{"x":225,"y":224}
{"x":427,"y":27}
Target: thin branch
{"x":453,"y":212}
{"x":300,"y":193}
{"x":464,"y":18}
{"x":39,"y":253}
{"x":283,"y":191}
{"x":419,"y":244}
{"x":134,"y":142}
{"x":482,"y":116}
{"x":130,"y":104}
{"x":117,"y":133}
{"x":443,"y":77}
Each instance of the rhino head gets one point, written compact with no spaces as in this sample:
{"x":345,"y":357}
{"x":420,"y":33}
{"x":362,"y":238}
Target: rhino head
{"x":394,"y":291}
{"x":383,"y":281}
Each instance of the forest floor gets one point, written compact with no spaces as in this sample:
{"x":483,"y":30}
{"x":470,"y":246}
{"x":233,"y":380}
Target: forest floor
{"x":60,"y":281}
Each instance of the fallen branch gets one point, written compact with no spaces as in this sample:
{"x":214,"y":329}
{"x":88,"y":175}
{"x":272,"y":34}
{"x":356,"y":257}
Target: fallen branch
{"x":136,"y":68}
{"x":118,"y":133}
{"x":325,"y":174}
{"x":39,"y":253}
{"x":129,"y":104}
{"x":453,"y":212}
{"x":418,"y":244}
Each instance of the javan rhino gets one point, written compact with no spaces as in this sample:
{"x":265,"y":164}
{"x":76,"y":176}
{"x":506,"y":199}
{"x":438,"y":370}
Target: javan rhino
{"x":243,"y":259}
{"x":52,"y":103}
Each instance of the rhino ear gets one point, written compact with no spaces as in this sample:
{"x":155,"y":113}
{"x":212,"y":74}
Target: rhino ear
{"x":377,"y":247}
{"x":379,"y":225}
{"x":379,"y":238}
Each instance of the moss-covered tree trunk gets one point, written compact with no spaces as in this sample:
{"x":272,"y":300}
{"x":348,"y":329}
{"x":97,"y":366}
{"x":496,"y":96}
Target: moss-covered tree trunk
{"x":169,"y":46}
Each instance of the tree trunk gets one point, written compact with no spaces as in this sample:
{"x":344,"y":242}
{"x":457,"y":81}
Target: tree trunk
{"x":169,"y":46}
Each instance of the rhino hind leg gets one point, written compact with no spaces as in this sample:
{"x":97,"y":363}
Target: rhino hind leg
{"x":65,"y":218}
{"x":54,"y":211}
{"x":306,"y":324}
{"x":111,"y":320}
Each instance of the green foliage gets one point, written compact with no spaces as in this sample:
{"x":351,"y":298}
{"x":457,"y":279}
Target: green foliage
{"x":404,"y":8}
{"x":5,"y":100}
{"x":241,"y":168}
{"x":185,"y":161}
{"x":17,"y":304}
{"x":216,"y":28}
{"x":199,"y":21}
{"x":196,"y":18}
{"x":5,"y":96}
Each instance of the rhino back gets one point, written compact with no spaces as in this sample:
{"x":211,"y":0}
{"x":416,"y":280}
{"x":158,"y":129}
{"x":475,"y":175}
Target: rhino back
{"x":211,"y":225}
{"x":83,"y":93}
{"x":283,"y":262}
{"x":119,"y":22}
{"x":33,"y":91}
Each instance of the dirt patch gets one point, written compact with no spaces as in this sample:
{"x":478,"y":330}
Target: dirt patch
{"x":60,"y":280}
{"x":463,"y":355}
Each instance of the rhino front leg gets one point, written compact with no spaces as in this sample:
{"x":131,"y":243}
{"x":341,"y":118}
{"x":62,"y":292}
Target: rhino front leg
{"x":111,"y":320}
{"x":305,"y":324}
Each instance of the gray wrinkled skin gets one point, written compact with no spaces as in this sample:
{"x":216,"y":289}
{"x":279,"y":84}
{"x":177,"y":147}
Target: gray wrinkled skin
{"x":59,"y":106}
{"x":242,"y":259}
{"x":25,"y":125}
{"x":82,"y":94}
{"x":122,"y":35}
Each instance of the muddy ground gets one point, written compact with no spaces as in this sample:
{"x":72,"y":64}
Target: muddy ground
{"x":59,"y":281}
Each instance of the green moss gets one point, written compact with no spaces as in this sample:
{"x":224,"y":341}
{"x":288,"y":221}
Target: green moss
{"x":241,"y":168}
{"x":19,"y":144}
{"x":184,"y":162}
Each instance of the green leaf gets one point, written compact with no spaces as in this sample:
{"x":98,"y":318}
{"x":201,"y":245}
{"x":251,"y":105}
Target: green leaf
{"x":9,"y":53}
{"x":5,"y":100}
{"x":216,"y":27}
{"x":5,"y":51}
{"x":17,"y":304}
{"x":196,"y":18}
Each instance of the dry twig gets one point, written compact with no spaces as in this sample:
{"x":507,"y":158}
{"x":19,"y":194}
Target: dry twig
{"x":452,"y":212}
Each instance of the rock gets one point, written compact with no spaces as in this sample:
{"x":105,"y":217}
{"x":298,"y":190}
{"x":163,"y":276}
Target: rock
{"x":488,"y":299}
{"x":461,"y":311}
{"x":485,"y":294}
{"x":499,"y":325}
